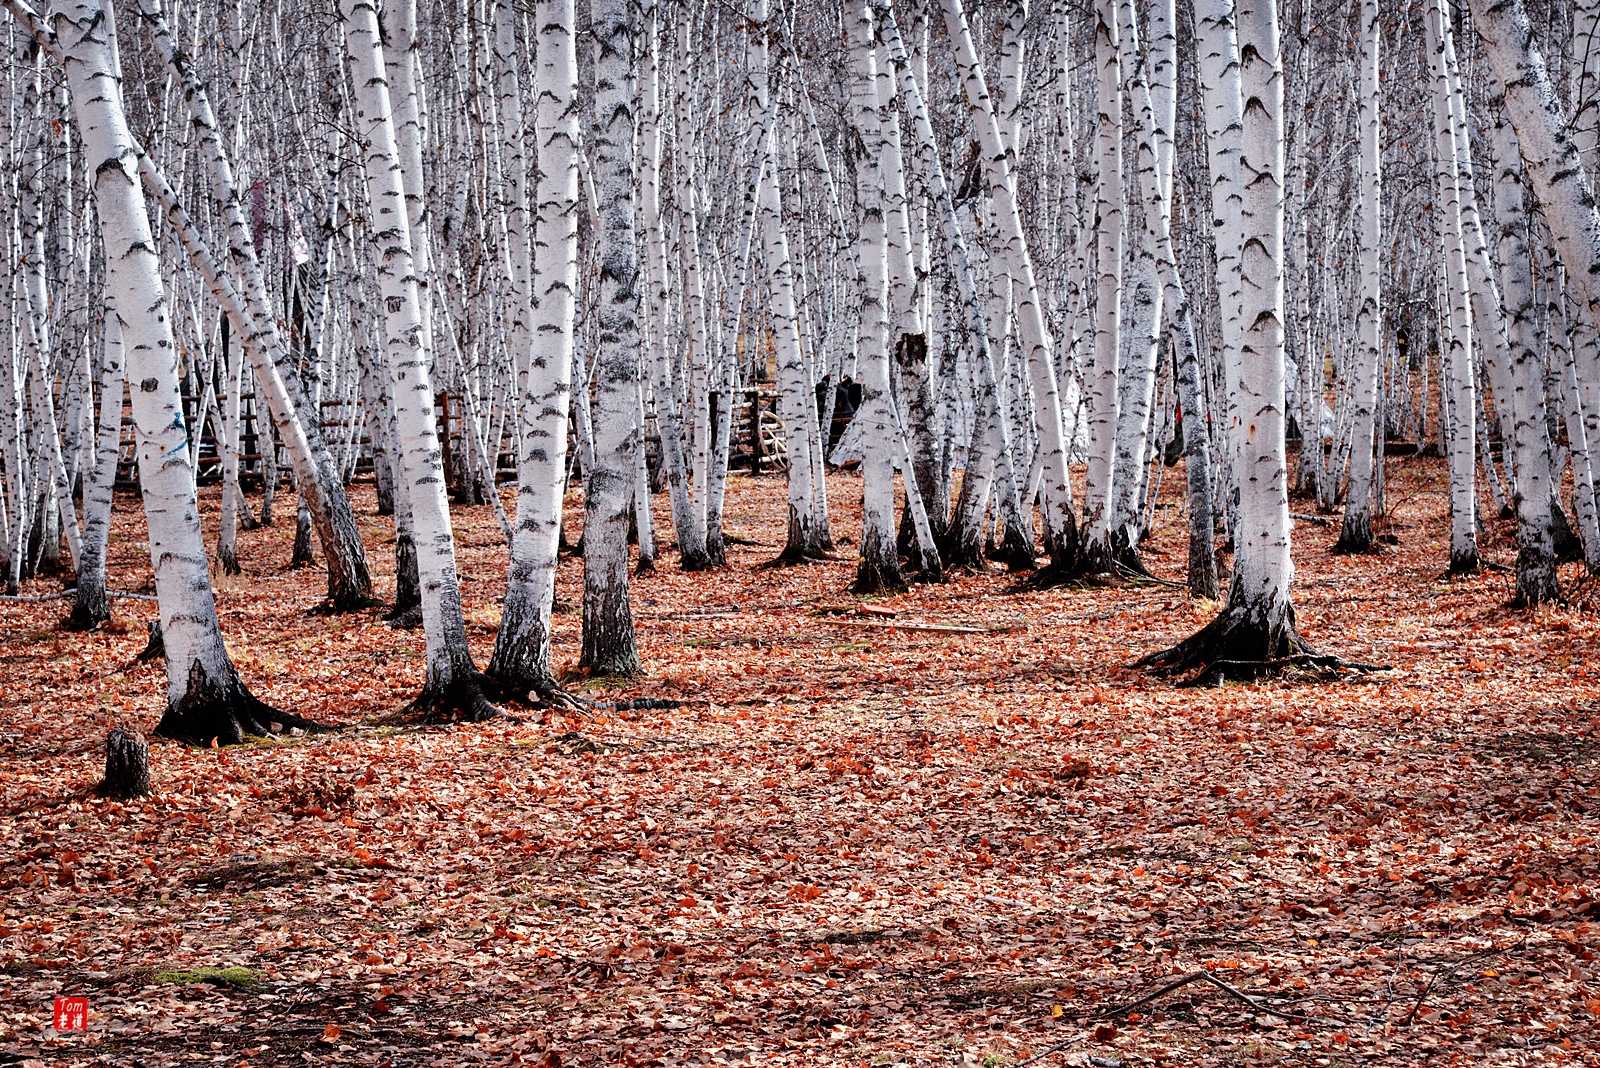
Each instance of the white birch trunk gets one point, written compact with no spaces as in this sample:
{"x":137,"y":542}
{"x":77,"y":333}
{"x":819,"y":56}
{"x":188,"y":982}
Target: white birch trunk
{"x":1061,"y":530}
{"x":1101,"y":385}
{"x":206,"y":699}
{"x":452,"y":681}
{"x":686,"y":191}
{"x":90,"y":607}
{"x":608,"y":643}
{"x":880,"y":562}
{"x":522,"y":659}
{"x":1458,"y":340}
{"x":1355,"y":533}
{"x":686,"y":521}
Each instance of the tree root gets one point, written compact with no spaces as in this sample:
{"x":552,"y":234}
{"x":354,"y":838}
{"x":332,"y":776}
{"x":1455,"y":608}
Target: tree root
{"x":407,"y":618}
{"x":531,"y":691}
{"x":872,"y":579}
{"x":345,"y":605}
{"x":796,"y":559}
{"x":1054,"y":576}
{"x":1016,"y":550}
{"x":223,"y":711}
{"x":1244,"y":645}
{"x":464,"y":699}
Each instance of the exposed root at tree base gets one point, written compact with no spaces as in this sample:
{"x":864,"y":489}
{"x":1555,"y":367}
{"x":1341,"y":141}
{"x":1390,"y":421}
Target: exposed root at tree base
{"x":1127,"y":562}
{"x":463,"y":699}
{"x":1055,"y":576}
{"x":225,"y":712}
{"x":81,"y":620}
{"x":797,"y":558}
{"x":407,"y":618}
{"x":346,"y":605}
{"x":872,"y":579}
{"x":1242,"y":645}
{"x":538,"y":693}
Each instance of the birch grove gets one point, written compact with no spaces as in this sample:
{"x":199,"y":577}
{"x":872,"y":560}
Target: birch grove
{"x":972,"y":280}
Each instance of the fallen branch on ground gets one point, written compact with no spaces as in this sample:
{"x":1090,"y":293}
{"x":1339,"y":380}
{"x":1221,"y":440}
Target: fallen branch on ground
{"x":64,"y":594}
{"x":1226,"y":988}
{"x":929,"y":628}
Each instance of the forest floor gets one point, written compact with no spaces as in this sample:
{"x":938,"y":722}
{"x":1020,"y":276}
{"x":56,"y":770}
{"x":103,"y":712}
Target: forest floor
{"x":856,"y":843}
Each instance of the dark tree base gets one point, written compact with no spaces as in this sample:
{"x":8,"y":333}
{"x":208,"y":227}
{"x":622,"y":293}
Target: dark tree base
{"x":1016,"y":550}
{"x":229,"y":562}
{"x":645,"y":566}
{"x":301,"y":556}
{"x":407,"y":617}
{"x":85,"y":618}
{"x":1052,"y":576}
{"x":346,"y":604}
{"x":1536,"y":580}
{"x":1355,"y":536}
{"x":693,"y":561}
{"x":1464,"y":563}
{"x":530,"y":689}
{"x":464,"y":699}
{"x":1243,"y":644}
{"x":966,"y":563}
{"x":1568,"y":549}
{"x":156,"y":647}
{"x":127,"y":766}
{"x":224,"y":712}
{"x":873,"y":578}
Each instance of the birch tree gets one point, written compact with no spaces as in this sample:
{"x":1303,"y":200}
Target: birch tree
{"x":521,"y":661}
{"x":206,"y":699}
{"x":880,"y":561}
{"x":1463,"y":389}
{"x":1255,"y":631}
{"x":1355,"y":532}
{"x":453,"y":685}
{"x":608,"y":644}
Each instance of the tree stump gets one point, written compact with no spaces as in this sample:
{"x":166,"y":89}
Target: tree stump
{"x":127,"y":766}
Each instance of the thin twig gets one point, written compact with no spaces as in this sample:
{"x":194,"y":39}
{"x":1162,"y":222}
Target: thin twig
{"x":1447,"y":973}
{"x":1214,"y":981}
{"x":1057,"y":1048}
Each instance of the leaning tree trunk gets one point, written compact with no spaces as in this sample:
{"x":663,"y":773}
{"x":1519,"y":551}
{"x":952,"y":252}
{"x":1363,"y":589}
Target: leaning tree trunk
{"x":453,"y":685}
{"x":990,"y":435}
{"x":90,"y":607}
{"x":298,"y":419}
{"x":1061,"y":527}
{"x":206,"y":700}
{"x":1355,"y":533}
{"x":1154,"y":189}
{"x":608,"y":643}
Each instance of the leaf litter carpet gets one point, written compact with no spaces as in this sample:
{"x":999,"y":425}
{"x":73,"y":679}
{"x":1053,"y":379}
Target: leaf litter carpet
{"x":944,"y":827}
